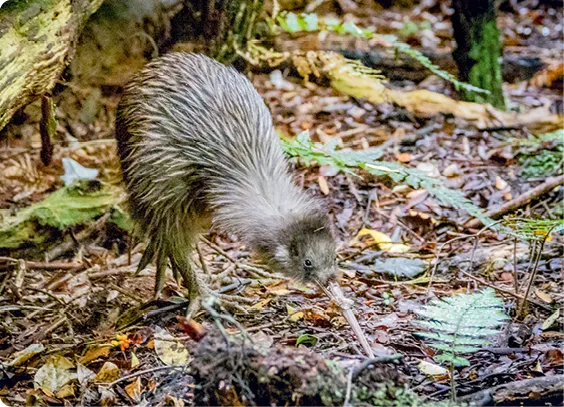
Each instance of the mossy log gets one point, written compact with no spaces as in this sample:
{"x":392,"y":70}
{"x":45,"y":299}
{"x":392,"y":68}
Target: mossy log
{"x":229,"y":371}
{"x":37,"y":41}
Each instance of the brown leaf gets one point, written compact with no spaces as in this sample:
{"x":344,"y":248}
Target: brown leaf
{"x":134,"y":390}
{"x":95,"y":352}
{"x":107,"y":374}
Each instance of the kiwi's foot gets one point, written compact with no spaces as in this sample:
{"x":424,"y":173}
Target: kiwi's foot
{"x":232,"y":302}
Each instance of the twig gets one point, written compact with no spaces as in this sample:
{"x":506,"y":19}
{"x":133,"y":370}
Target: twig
{"x":519,"y":201}
{"x":349,"y":388}
{"x":437,"y":256}
{"x":519,"y":391}
{"x":502,"y":290}
{"x":369,"y":362}
{"x":523,"y":305}
{"x":142,"y":372}
{"x":45,"y":266}
{"x":515,"y":277}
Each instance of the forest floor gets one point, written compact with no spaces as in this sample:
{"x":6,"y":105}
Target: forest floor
{"x":83,"y":307}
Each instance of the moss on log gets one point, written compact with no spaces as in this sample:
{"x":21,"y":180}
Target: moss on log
{"x":37,"y":41}
{"x":231,"y":372}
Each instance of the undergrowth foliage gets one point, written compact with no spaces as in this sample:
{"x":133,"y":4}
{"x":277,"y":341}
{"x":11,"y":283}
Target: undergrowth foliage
{"x":461,"y":324}
{"x":542,"y":155}
{"x":348,"y":161}
{"x":534,"y":229}
{"x":304,"y":22}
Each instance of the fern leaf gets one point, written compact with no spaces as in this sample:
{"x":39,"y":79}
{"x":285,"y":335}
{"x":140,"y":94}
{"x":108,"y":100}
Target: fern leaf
{"x":460,"y":324}
{"x":534,"y":229}
{"x":303,"y":22}
{"x":347,"y":161}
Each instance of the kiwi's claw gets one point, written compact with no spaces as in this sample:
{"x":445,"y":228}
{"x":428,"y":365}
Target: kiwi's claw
{"x":160,"y":277}
{"x":147,"y":256}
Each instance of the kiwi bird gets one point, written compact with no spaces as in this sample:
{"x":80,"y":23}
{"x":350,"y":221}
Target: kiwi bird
{"x":198,"y":150}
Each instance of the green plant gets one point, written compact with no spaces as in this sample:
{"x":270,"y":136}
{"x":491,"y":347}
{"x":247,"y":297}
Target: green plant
{"x":543,"y":155}
{"x":460,"y":324}
{"x":534,"y":229}
{"x":411,"y":28}
{"x":294,"y":23}
{"x":349,"y":161}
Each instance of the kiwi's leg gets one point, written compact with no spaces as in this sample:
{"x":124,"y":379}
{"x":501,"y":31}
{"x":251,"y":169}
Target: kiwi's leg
{"x":182,"y":266}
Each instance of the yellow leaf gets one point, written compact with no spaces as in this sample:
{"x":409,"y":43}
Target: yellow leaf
{"x":323,"y":185}
{"x":95,"y":352}
{"x":259,"y":305}
{"x":432,"y":370}
{"x":382,"y":240}
{"x":19,"y":358}
{"x":107,"y":374}
{"x":169,"y":349}
{"x":294,"y":314}
{"x":134,"y":360}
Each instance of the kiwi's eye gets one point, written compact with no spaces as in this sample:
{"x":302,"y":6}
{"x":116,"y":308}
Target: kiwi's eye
{"x":308,"y":263}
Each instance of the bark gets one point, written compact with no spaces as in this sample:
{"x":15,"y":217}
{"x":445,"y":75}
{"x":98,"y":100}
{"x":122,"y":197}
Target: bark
{"x":221,"y":26}
{"x":37,"y":40}
{"x":478,"y":51}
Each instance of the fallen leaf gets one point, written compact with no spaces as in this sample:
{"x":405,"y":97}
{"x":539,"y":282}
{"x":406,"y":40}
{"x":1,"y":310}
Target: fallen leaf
{"x":84,"y":374}
{"x":133,"y":390}
{"x":550,"y":320}
{"x":134,"y":360}
{"x":54,"y":375}
{"x":259,"y":305}
{"x":107,"y":374}
{"x":500,"y":183}
{"x":306,"y":339}
{"x":294,"y":314}
{"x":553,"y":357}
{"x":404,"y":158}
{"x":438,"y":372}
{"x":544,"y":296}
{"x":323,"y":185}
{"x":25,"y":354}
{"x":95,"y":352}
{"x":400,"y":267}
{"x":453,"y":170}
{"x":383,"y":241}
{"x":170,"y":351}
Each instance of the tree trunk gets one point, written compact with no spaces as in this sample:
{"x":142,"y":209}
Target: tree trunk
{"x":37,"y":40}
{"x":478,"y":49}
{"x":222,"y":26}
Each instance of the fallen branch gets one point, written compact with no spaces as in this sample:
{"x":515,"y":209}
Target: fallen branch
{"x":543,"y":389}
{"x":354,"y":79}
{"x":520,"y":201}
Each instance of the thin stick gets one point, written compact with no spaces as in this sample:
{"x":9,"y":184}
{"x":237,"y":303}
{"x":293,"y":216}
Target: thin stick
{"x":142,"y":372}
{"x":523,"y":306}
{"x":520,"y":201}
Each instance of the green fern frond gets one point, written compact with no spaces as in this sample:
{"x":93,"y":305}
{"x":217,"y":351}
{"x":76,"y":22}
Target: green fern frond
{"x":459,"y":324}
{"x":348,"y":161}
{"x":534,"y":229}
{"x":294,"y":23}
{"x":542,"y":155}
